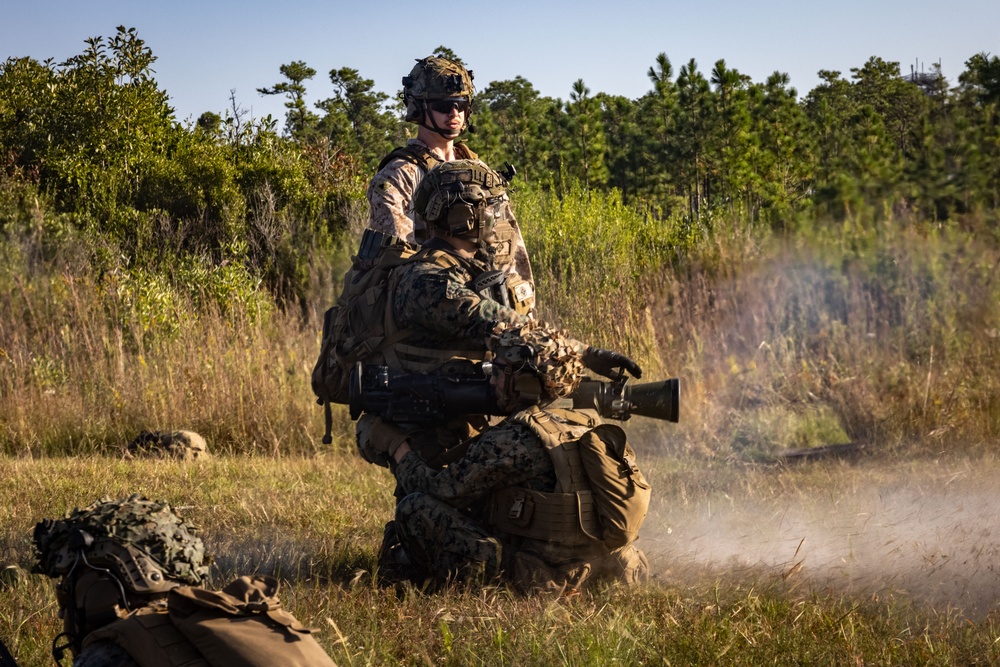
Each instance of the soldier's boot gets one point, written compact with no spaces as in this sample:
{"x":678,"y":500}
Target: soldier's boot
{"x":395,"y":565}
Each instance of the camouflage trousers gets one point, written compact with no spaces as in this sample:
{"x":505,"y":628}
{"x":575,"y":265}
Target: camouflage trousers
{"x":445,"y":542}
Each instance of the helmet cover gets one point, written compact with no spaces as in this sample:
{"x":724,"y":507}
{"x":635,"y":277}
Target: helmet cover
{"x":144,"y":543}
{"x":460,"y":196}
{"x":538,"y":351}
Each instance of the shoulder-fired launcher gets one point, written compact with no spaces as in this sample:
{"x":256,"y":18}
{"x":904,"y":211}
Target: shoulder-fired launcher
{"x":436,"y":397}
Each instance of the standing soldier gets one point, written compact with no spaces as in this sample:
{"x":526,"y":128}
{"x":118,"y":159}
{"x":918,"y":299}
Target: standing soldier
{"x":130,"y":595}
{"x":438,"y":94}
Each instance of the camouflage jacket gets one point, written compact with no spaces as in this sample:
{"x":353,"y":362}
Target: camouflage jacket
{"x":441,"y":309}
{"x":390,"y":199}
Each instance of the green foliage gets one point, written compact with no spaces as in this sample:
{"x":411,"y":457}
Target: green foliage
{"x":299,"y":122}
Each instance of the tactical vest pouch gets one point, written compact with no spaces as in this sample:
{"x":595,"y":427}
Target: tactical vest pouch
{"x":522,"y":294}
{"x":244,"y":624}
{"x":621,"y":492}
{"x":595,"y":469}
{"x":566,"y":518}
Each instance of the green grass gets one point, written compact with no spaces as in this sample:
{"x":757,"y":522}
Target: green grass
{"x":315,"y":522}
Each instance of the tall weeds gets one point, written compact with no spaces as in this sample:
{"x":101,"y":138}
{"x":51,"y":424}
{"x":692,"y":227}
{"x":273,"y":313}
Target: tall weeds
{"x":881,"y":333}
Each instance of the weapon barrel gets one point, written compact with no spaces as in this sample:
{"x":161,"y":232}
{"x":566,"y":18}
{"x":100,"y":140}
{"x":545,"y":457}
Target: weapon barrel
{"x":417,"y":397}
{"x":659,"y":400}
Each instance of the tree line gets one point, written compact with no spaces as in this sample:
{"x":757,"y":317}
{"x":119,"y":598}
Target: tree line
{"x":720,"y":142}
{"x":95,"y":140}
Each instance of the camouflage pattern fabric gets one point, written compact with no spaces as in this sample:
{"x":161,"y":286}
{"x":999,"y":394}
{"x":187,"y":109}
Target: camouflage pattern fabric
{"x":554,"y":358}
{"x":438,"y":518}
{"x":444,"y":312}
{"x":152,"y":527}
{"x":443,"y":528}
{"x":183,"y":445}
{"x":447,"y":542}
{"x":390,"y":198}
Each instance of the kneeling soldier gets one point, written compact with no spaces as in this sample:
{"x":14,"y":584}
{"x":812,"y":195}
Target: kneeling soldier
{"x":547,"y":499}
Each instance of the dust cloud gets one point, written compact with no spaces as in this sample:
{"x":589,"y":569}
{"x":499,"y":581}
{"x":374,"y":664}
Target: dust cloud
{"x":933,"y":537}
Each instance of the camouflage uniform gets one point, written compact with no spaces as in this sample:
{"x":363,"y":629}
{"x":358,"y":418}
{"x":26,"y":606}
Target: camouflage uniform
{"x":443,"y":313}
{"x":441,"y":307}
{"x":444,"y":524}
{"x":390,"y":197}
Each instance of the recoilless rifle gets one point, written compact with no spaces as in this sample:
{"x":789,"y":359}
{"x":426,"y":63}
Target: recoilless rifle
{"x":437,"y":397}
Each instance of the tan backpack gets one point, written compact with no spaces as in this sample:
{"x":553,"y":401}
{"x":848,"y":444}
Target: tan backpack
{"x":243,"y":625}
{"x":601,"y":493}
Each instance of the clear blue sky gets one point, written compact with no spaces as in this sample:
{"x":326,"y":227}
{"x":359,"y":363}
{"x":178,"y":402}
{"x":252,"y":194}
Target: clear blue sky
{"x":206,"y":49}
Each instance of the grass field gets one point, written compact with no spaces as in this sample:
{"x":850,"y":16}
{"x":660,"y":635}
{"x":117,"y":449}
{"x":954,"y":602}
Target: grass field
{"x":874,"y":561}
{"x":881,"y":334}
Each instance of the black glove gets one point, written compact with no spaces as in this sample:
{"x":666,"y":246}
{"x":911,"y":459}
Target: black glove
{"x":609,"y":364}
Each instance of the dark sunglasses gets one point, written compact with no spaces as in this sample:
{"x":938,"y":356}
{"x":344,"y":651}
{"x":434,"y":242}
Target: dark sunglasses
{"x":446,"y":106}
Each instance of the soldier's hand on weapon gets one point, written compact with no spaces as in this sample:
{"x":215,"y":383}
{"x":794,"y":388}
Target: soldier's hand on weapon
{"x":609,"y":364}
{"x":378,"y":440}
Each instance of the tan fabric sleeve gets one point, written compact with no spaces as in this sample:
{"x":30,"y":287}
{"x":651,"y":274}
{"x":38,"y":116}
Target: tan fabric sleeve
{"x":390,"y":199}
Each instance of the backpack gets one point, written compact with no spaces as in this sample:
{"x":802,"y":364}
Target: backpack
{"x":355,"y":327}
{"x":243,"y":624}
{"x":621,"y":492}
{"x":600,"y":492}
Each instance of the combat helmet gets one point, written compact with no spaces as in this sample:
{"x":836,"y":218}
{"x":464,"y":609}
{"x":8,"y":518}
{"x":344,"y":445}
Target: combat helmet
{"x":534,"y":363}
{"x":113,"y":556}
{"x":434,"y":78}
{"x":461,"y":198}
{"x":183,"y":445}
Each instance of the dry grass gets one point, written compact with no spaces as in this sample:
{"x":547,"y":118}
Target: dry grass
{"x":826,"y":563}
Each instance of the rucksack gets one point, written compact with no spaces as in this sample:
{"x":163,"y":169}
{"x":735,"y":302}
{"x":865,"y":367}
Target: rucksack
{"x":354,"y":328}
{"x":243,"y":624}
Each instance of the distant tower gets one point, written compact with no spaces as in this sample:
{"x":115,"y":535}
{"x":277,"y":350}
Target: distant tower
{"x":929,"y":82}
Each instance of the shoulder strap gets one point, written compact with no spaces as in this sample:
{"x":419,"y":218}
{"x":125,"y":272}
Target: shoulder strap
{"x":560,"y":430}
{"x":418,"y":155}
{"x":463,"y":152}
